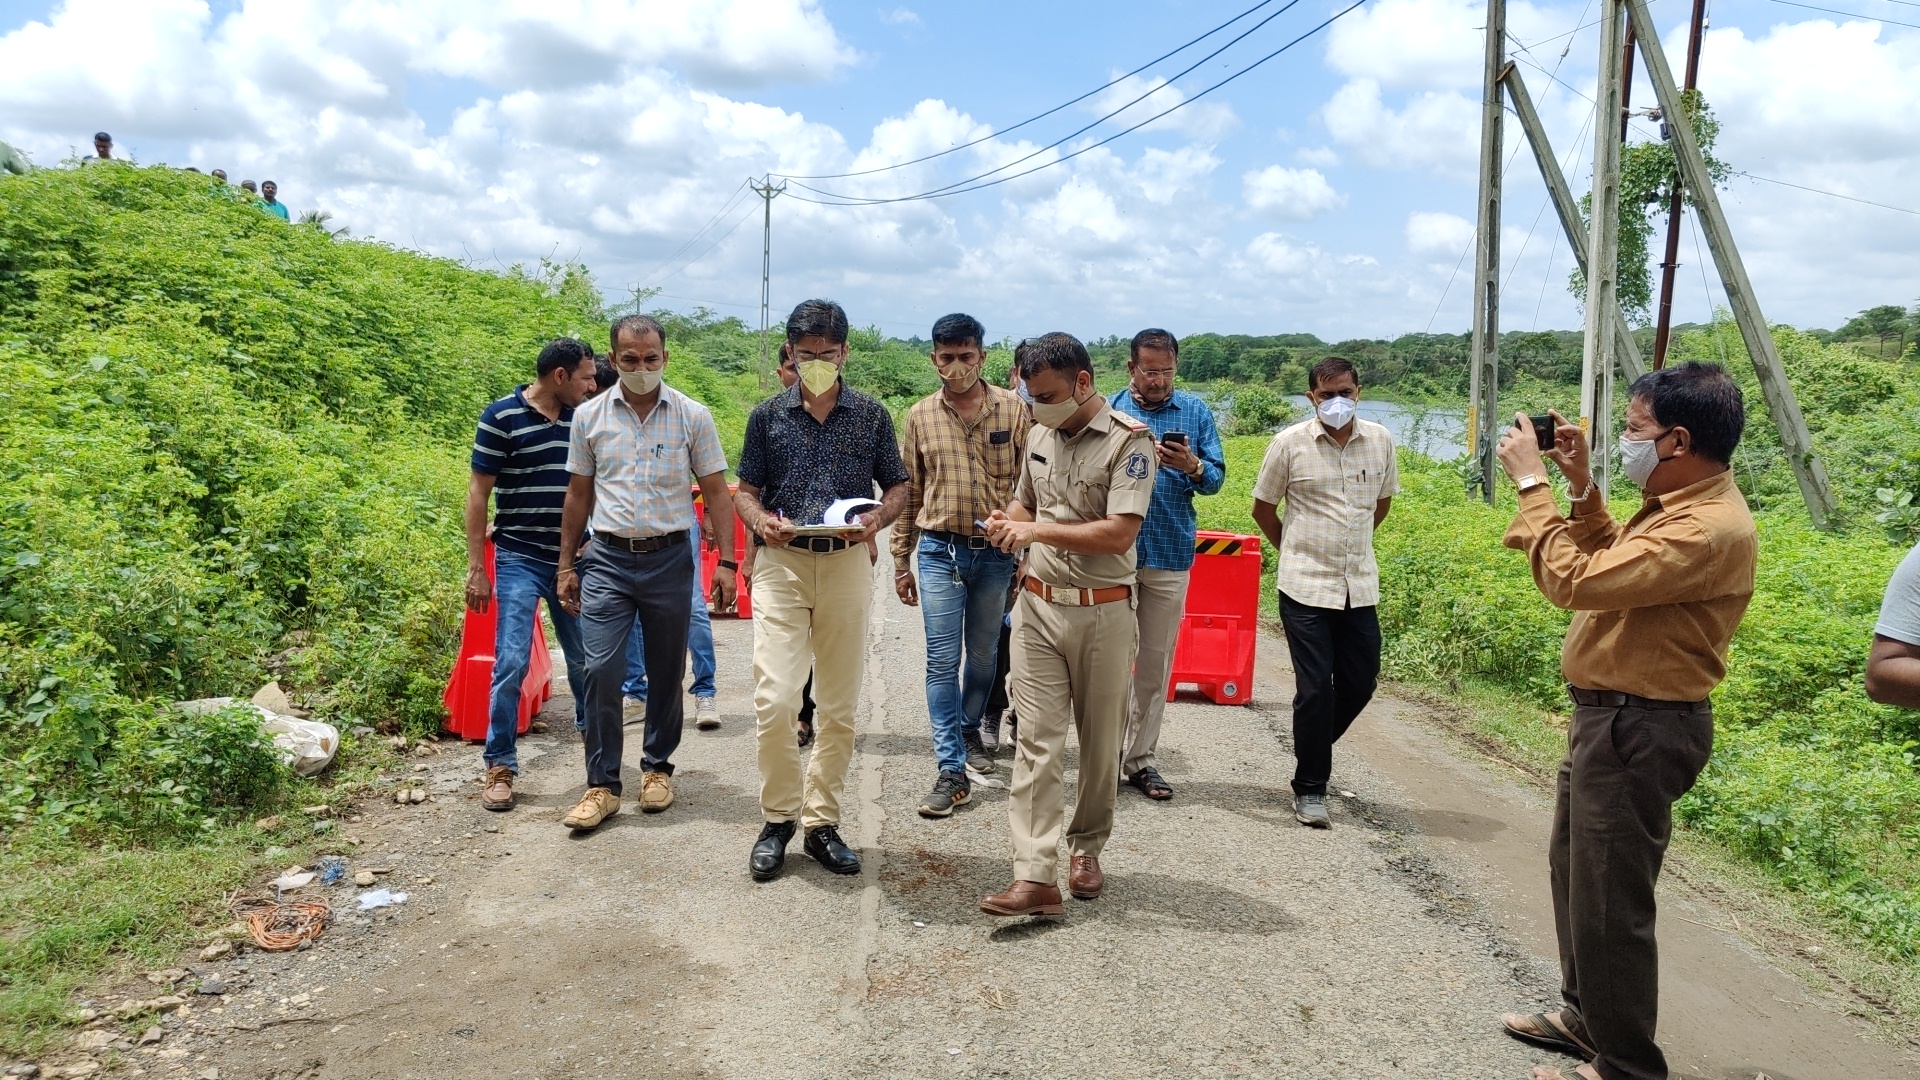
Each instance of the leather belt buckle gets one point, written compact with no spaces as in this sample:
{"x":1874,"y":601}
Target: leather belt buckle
{"x":977,"y":543}
{"x":819,"y":545}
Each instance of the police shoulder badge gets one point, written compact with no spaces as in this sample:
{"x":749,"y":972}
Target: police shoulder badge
{"x":1137,"y":466}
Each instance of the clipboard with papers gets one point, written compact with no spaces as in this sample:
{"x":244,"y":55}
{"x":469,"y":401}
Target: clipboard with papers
{"x":839,"y":519}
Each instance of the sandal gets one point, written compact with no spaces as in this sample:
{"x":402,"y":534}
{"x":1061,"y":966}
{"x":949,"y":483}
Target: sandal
{"x":1151,"y":784}
{"x":1545,"y":1029}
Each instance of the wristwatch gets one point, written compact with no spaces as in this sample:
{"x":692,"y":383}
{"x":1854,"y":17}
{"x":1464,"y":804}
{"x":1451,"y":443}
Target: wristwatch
{"x":1528,"y":483}
{"x":730,"y":564}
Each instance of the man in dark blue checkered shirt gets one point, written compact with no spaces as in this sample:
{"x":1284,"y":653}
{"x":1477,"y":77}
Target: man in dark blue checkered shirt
{"x":1191,"y":463}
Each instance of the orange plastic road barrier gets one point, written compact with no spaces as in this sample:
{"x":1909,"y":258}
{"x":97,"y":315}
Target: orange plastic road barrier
{"x":710,"y":556}
{"x":1221,"y":625}
{"x":472,"y":680}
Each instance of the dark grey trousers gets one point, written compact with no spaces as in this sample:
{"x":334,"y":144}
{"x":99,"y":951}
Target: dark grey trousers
{"x":1625,"y":768}
{"x":614,"y":587}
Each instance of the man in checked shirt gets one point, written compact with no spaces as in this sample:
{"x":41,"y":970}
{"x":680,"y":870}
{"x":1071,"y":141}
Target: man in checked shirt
{"x":963,"y":447}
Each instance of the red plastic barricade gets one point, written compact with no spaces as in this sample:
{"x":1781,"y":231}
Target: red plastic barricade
{"x":472,"y":681}
{"x":1222,"y":620}
{"x":710,"y":555}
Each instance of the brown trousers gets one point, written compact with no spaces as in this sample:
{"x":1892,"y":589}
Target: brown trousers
{"x":1625,"y":768}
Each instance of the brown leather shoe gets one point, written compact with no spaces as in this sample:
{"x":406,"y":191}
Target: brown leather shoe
{"x":655,"y":793}
{"x":1025,"y":898}
{"x":596,"y":806}
{"x":1084,"y":879}
{"x":496,"y":791}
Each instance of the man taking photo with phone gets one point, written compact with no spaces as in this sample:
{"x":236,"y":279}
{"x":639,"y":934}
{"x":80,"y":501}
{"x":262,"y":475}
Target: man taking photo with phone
{"x":1655,"y":603}
{"x":1189,"y":462}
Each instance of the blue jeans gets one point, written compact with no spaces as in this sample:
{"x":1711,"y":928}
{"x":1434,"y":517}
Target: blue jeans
{"x":519,"y":583}
{"x":963,"y":595}
{"x":699,"y":640}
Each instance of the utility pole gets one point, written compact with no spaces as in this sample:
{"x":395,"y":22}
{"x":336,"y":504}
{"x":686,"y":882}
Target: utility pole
{"x":1672,"y":261}
{"x":1794,"y":439}
{"x":1483,"y":414}
{"x":1603,"y":242}
{"x":766,"y":189}
{"x":1626,"y":349}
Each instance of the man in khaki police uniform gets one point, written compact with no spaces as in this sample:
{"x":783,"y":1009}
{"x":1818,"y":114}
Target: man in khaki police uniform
{"x":1085,"y":489}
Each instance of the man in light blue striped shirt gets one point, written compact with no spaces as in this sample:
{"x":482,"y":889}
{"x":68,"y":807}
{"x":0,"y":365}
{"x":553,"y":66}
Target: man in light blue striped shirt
{"x":1191,"y":463}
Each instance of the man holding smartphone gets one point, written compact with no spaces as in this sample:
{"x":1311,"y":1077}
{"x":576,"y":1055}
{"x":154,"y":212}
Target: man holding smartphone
{"x":1190,"y":462}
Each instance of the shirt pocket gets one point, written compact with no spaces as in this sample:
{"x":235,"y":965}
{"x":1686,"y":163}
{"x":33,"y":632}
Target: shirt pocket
{"x":999,"y":459}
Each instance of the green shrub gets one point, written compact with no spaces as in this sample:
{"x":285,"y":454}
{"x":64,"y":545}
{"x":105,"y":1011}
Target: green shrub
{"x":174,"y":774}
{"x":1258,"y":411}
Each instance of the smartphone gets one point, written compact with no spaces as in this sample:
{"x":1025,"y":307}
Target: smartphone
{"x":1542,"y":430}
{"x":1176,"y":438}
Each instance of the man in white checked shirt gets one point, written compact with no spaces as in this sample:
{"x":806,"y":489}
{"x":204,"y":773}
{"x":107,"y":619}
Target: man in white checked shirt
{"x":633,"y":450}
{"x":1336,"y":474}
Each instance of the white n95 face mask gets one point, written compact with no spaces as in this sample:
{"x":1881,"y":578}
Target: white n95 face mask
{"x":641,"y":382}
{"x":1639,"y":457}
{"x":1336,"y":412}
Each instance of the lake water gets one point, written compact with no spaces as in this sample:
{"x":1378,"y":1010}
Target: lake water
{"x":1438,"y":431}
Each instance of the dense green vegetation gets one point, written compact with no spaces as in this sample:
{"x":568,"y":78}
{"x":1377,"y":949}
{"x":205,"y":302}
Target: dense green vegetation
{"x":236,"y":450}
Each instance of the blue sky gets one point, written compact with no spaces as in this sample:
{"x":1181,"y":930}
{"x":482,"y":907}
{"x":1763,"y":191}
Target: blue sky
{"x":1329,"y":191}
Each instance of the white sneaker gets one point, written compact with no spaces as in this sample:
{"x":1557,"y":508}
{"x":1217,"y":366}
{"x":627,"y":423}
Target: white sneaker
{"x":704,"y":715}
{"x":633,"y":711}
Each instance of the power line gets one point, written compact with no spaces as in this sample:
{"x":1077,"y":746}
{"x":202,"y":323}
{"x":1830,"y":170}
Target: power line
{"x":964,"y":186}
{"x":1049,"y":112}
{"x":1848,"y":14}
{"x":704,"y":252}
{"x":1829,"y":194}
{"x":725,"y":209}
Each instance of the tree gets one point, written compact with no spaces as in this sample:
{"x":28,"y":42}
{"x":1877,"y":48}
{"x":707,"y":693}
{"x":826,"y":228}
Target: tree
{"x":318,"y":219}
{"x":1883,"y":323}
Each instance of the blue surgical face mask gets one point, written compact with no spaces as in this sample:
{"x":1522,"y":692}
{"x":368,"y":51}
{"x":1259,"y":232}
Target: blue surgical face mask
{"x":1022,"y":391}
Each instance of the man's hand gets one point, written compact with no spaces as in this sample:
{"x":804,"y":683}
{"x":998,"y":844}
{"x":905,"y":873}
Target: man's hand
{"x":1008,"y":534}
{"x":479,"y":590}
{"x":906,"y":588}
{"x":1519,"y":450}
{"x":706,"y":531}
{"x":726,"y":588}
{"x":870,"y":523}
{"x":567,"y":588}
{"x":776,"y":530}
{"x":1570,"y":452}
{"x":1178,"y":457}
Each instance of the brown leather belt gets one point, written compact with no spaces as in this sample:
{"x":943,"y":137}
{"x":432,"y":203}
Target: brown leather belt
{"x":1614,"y":699}
{"x":641,"y":545}
{"x":1054,"y":594}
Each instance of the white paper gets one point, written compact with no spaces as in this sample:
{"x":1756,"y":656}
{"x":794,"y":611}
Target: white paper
{"x":842,"y":512}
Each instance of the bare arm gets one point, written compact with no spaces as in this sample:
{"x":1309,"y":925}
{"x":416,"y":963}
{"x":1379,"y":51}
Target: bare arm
{"x":574,"y":515}
{"x":479,"y":588}
{"x":892,"y":502}
{"x":1380,"y":510}
{"x":1893,"y":673}
{"x":1267,"y":516}
{"x":713,"y":490}
{"x":774,"y":529}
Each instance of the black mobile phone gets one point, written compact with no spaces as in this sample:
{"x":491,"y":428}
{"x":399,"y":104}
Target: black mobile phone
{"x":1542,"y":430}
{"x":1176,"y":437}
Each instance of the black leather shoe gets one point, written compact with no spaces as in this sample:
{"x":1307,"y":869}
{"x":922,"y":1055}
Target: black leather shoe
{"x":770,"y":851}
{"x":827,"y":849}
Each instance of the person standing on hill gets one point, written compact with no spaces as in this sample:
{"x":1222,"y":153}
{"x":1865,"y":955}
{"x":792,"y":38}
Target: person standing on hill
{"x":963,"y":446}
{"x":1083,"y":492}
{"x":102,"y":148}
{"x":270,"y":200}
{"x":1189,"y":462}
{"x":633,"y":451}
{"x":1893,"y":667}
{"x":1337,"y":475}
{"x":807,"y":447}
{"x":520,"y":462}
{"x":1655,"y":604}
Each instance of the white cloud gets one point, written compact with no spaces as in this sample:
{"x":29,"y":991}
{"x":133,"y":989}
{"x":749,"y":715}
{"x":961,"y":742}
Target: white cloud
{"x":1437,"y":235}
{"x":1296,"y":194}
{"x":1202,"y":120}
{"x":900,"y":17}
{"x":1164,"y":174}
{"x":1428,"y":44}
{"x":1436,"y":130}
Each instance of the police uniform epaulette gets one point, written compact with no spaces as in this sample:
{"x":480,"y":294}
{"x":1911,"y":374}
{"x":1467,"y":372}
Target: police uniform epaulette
{"x":1133,"y":424}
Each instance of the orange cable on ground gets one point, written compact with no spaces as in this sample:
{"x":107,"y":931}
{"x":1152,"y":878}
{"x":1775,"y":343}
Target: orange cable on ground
{"x":282,"y":926}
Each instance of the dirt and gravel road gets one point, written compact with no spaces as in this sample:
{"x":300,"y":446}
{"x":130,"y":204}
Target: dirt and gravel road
{"x":1231,"y":942}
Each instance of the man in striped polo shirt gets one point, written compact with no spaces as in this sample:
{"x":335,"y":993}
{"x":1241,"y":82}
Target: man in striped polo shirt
{"x":520,"y":459}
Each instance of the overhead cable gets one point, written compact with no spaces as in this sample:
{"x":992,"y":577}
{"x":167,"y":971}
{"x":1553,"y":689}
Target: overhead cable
{"x":1848,"y":14}
{"x":1042,"y":116}
{"x":963,"y":186}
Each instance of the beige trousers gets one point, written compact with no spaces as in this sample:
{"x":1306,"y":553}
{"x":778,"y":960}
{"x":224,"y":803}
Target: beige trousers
{"x":1163,"y":600}
{"x":809,"y":615}
{"x":1069,"y":666}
